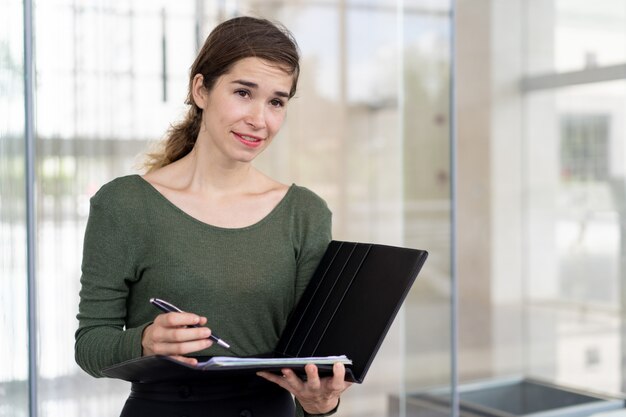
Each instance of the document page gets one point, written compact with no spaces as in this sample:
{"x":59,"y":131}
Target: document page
{"x":234,"y":362}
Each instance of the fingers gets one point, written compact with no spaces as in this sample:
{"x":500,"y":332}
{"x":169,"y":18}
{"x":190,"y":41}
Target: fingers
{"x":314,"y":384}
{"x":179,"y":319}
{"x":180,"y":327}
{"x":338,"y":383}
{"x":288,"y":380}
{"x":277,"y":379}
{"x":184,"y":359}
{"x":293,"y":381}
{"x":173,"y":349}
{"x":155,"y":347}
{"x":170,"y":334}
{"x":312,"y":377}
{"x":316,"y":395}
{"x":180,"y":334}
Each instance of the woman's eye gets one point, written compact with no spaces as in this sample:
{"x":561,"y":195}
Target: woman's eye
{"x":242,"y":93}
{"x":277,"y":103}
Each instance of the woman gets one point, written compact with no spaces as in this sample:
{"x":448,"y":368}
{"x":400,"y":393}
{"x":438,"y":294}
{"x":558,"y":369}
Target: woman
{"x":207,"y":231}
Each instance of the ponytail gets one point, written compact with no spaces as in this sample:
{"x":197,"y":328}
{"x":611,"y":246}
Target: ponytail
{"x":179,"y":141}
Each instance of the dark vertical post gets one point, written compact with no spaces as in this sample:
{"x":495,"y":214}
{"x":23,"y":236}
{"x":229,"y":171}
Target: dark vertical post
{"x":199,"y":24}
{"x":29,"y":141}
{"x":163,"y":55}
{"x":344,"y":140}
{"x":454,"y":297}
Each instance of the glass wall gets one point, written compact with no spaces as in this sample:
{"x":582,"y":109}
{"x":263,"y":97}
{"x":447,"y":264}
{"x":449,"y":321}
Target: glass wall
{"x":368,"y":131}
{"x":575,"y":170}
{"x":541,"y":138}
{"x":13,"y":278}
{"x":575,"y":259}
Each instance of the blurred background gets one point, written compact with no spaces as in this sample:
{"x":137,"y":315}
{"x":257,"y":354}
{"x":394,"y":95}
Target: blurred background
{"x":489,"y":132}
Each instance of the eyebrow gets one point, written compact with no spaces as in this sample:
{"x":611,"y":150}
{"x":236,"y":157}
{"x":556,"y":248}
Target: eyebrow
{"x":255,"y":85}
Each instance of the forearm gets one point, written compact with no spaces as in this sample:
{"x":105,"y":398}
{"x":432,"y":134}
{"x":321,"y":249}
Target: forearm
{"x":99,"y":347}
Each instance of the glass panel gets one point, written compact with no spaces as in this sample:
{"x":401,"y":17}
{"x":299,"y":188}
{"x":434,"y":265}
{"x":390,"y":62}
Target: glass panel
{"x":575,"y":263}
{"x":426,"y":129}
{"x":13,"y":276}
{"x":570,"y":35}
{"x":351,"y":136}
{"x":100,"y":68}
{"x":368,"y":131}
{"x":488,"y":198}
{"x":540,"y":198}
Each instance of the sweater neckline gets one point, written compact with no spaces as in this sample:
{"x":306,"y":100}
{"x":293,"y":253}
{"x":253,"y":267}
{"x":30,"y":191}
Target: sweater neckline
{"x":188,"y":216}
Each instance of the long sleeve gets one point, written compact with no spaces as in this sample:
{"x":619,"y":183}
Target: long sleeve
{"x":107,"y":269}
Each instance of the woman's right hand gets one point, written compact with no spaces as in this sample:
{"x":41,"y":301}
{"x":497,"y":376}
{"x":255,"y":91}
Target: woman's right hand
{"x":170,"y":334}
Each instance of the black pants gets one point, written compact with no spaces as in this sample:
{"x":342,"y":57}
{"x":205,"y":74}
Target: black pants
{"x":245,"y":398}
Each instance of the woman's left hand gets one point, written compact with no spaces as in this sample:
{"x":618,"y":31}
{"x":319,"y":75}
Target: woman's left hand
{"x":316,"y":395}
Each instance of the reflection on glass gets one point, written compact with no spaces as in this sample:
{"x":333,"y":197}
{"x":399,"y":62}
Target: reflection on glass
{"x":376,"y":147}
{"x":13,"y":278}
{"x":112,"y":86}
{"x":572,"y":35}
{"x":576,"y":216}
{"x":542,"y":194}
{"x":426,"y":189}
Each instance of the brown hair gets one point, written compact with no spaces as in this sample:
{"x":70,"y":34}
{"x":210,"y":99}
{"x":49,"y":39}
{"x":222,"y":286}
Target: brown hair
{"x":229,"y":42}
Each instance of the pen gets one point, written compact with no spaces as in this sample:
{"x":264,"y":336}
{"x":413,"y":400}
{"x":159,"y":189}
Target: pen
{"x":171,"y":308}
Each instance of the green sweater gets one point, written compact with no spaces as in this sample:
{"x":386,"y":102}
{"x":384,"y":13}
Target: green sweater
{"x":246,"y":281}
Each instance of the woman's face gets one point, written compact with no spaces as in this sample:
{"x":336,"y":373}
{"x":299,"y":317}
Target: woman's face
{"x":244,"y":110}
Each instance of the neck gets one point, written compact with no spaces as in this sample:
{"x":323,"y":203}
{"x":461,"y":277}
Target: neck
{"x":211,"y":174}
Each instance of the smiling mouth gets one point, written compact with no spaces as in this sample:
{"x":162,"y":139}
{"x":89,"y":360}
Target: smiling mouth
{"x":251,"y":141}
{"x":250,"y":138}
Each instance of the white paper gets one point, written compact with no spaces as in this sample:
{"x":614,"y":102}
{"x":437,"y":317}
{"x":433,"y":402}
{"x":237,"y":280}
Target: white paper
{"x":228,"y":361}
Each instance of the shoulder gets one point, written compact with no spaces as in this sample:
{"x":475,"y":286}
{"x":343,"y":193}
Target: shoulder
{"x":304,"y":197}
{"x":119,"y":192}
{"x":312,"y":222}
{"x":307,"y":203}
{"x":308,"y":210}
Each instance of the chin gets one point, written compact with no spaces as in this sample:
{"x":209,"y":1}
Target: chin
{"x":248,"y":156}
{"x":246,"y":159}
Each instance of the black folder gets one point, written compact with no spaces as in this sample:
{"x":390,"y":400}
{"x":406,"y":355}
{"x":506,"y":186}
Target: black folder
{"x":347,"y":309}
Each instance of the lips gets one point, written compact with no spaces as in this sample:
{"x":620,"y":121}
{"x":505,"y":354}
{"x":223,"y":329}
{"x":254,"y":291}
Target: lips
{"x":249,"y":140}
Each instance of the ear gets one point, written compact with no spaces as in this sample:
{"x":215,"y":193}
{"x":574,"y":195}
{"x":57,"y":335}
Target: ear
{"x":199,"y":92}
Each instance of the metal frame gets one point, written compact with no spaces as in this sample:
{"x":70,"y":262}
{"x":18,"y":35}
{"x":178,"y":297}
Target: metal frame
{"x":565,"y":79}
{"x":29,"y":143}
{"x":454,"y":301}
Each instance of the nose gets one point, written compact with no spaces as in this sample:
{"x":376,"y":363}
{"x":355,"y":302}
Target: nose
{"x":256,"y":116}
